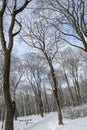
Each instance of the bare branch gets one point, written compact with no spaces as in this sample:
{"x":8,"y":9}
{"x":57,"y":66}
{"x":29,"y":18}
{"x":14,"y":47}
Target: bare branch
{"x":14,"y":34}
{"x":72,"y":44}
{"x":3,"y":7}
{"x":73,"y":13}
{"x":22,"y":7}
{"x":2,"y":37}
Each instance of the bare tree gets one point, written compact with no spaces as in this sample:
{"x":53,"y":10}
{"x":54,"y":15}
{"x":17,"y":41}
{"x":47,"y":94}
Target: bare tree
{"x":34,"y":75}
{"x":11,"y":9}
{"x":62,"y":63}
{"x":72,"y":63}
{"x":46,"y":42}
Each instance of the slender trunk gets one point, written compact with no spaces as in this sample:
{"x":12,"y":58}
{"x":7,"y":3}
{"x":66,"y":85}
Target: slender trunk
{"x":40,"y":106}
{"x":10,"y":106}
{"x":78,"y":91}
{"x":60,"y":93}
{"x":58,"y":107}
{"x":54,"y":87}
{"x":70,"y":91}
{"x":41,"y":109}
{"x":55,"y":93}
{"x":37,"y":108}
{"x":78,"y":87}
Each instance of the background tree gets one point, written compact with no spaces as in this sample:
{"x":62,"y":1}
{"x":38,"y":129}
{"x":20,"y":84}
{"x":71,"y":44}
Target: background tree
{"x":34,"y":75}
{"x":71,"y":64}
{"x":41,"y":37}
{"x":65,"y":77}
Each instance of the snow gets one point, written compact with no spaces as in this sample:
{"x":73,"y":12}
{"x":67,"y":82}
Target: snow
{"x":49,"y":122}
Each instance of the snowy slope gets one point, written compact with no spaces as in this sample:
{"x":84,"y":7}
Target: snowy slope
{"x":49,"y":122}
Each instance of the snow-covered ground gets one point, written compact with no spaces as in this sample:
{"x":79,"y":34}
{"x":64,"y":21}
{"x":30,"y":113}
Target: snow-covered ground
{"x":49,"y":122}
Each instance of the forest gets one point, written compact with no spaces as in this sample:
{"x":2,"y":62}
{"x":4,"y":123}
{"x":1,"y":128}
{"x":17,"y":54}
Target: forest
{"x":43,"y":59}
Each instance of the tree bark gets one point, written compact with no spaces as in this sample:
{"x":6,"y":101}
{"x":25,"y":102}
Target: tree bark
{"x":55,"y":93}
{"x":56,"y":97}
{"x":55,"y":88}
{"x":40,"y":105}
{"x":10,"y":105}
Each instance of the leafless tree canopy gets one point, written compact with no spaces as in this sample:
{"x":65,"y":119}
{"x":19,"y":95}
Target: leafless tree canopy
{"x":72,"y":19}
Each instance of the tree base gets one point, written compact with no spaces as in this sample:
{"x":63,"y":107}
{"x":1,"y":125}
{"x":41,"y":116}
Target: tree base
{"x":60,"y":123}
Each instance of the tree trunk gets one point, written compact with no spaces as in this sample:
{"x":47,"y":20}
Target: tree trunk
{"x":58,"y":107}
{"x":77,"y":91}
{"x":70,"y":91}
{"x":54,"y":87}
{"x":41,"y":107}
{"x":10,"y":105}
{"x":60,"y":93}
{"x":55,"y":93}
